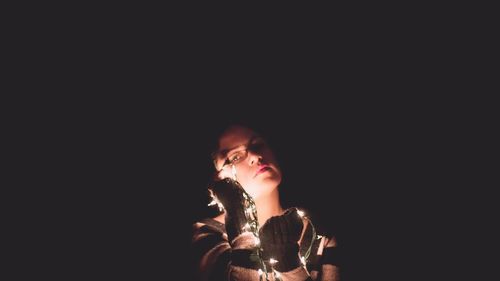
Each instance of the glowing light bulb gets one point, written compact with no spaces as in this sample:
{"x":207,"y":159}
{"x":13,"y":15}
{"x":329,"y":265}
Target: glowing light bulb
{"x":272,"y":261}
{"x":303,"y":260}
{"x":301,"y":213}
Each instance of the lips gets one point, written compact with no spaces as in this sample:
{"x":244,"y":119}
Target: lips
{"x":262,"y":169}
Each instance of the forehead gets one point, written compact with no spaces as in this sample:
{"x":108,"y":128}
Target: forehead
{"x":235,"y":136}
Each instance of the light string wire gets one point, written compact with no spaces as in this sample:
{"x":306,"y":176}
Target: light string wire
{"x":252,"y":221}
{"x":253,"y":224}
{"x":313,"y":237}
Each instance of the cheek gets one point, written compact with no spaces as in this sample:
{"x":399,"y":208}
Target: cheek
{"x":244,"y":177}
{"x":245,"y":172}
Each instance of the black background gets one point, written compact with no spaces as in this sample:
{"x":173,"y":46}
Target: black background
{"x":134,"y":177}
{"x":122,"y":136}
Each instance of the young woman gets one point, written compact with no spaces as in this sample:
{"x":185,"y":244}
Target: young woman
{"x":255,"y":238}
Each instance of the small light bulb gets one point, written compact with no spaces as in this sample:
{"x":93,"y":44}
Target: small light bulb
{"x":272,"y":261}
{"x":301,"y":213}
{"x":303,"y":260}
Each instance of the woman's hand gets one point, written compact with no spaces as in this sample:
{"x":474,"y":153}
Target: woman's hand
{"x":231,"y":195}
{"x":279,"y":238}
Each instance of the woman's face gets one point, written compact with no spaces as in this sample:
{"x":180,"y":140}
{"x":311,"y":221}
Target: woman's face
{"x":254,"y":163}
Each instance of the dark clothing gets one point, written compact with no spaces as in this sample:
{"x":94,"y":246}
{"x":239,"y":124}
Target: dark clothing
{"x":212,"y":255}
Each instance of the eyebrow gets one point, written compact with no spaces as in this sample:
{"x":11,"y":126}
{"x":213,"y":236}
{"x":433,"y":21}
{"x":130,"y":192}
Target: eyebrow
{"x":225,"y":152}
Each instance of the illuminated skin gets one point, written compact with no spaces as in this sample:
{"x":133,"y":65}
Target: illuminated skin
{"x":259,"y":173}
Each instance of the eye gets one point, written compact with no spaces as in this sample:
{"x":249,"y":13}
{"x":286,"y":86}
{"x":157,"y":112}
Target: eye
{"x":236,"y":157}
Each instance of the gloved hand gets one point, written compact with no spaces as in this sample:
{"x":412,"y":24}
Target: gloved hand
{"x":230,"y":193}
{"x":279,"y":238}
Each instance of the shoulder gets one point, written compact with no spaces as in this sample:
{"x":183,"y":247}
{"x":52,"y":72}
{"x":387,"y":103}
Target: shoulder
{"x":323,"y":223}
{"x":315,"y":239}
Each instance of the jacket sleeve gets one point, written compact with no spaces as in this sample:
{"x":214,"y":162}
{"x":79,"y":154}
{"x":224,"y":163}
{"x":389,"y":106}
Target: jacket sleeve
{"x":327,"y":257}
{"x":321,"y":254}
{"x":211,"y":252}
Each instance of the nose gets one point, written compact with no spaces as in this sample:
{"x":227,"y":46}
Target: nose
{"x":254,"y":158}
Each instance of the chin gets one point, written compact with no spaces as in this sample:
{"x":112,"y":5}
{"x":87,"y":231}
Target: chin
{"x":264,"y":187}
{"x":272,"y":179}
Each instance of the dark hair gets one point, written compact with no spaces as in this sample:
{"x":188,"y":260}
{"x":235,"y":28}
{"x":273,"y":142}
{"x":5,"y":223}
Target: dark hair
{"x":264,"y":129}
{"x":221,"y":127}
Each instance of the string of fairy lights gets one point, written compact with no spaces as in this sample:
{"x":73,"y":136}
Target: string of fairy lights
{"x":252,"y":225}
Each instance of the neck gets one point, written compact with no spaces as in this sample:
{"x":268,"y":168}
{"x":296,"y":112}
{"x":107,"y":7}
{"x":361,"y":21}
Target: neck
{"x":268,"y":206}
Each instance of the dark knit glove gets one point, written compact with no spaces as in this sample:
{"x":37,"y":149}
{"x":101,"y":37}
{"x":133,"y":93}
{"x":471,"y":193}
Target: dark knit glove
{"x":230,"y":194}
{"x":279,"y":238}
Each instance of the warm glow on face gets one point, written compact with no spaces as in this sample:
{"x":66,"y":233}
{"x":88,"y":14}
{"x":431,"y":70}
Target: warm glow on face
{"x":256,"y":169}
